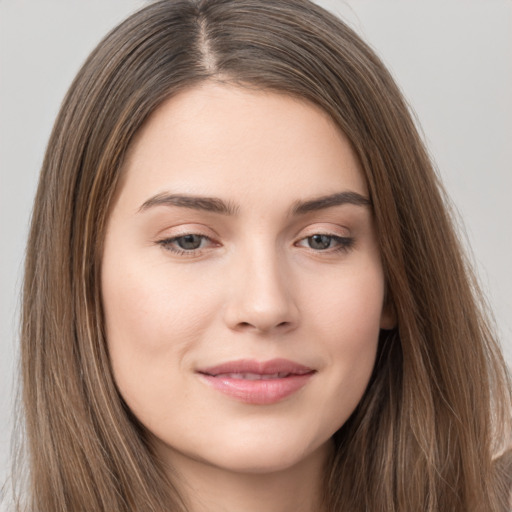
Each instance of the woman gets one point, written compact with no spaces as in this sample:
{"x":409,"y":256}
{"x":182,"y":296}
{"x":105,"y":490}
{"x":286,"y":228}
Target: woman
{"x":243,"y":290}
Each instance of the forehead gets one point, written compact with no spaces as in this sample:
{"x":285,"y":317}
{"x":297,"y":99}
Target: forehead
{"x":239,"y":142}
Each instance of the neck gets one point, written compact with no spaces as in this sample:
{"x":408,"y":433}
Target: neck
{"x":207,"y":488}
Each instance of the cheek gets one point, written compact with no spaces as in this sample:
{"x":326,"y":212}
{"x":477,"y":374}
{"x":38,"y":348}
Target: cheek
{"x":152,"y":322}
{"x":346,"y":318}
{"x":146,"y":308}
{"x":349,"y":307}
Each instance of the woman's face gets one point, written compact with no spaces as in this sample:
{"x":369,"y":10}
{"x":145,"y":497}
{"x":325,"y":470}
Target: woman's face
{"x":241,"y":279}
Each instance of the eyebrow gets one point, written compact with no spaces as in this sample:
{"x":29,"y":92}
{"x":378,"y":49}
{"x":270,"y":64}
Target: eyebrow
{"x":216,"y":205}
{"x":320,"y":203}
{"x":209,"y":204}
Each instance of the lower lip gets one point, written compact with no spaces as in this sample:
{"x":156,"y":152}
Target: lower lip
{"x":258,"y":392}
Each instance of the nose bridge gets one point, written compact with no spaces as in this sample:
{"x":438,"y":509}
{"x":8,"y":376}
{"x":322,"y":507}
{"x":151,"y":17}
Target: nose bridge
{"x":261,"y":296}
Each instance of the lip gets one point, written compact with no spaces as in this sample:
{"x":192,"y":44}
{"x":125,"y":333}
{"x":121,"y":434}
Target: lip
{"x":255,"y":382}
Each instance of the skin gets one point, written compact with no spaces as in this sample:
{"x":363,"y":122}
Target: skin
{"x":258,"y":288}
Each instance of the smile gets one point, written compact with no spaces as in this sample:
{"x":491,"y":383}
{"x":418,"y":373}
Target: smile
{"x":257,"y":383}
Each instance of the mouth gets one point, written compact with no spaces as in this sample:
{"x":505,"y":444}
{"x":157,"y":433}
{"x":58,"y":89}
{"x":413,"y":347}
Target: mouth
{"x":252,"y":376}
{"x":257,"y":383}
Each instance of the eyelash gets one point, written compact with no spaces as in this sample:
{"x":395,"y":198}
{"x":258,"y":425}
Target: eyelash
{"x":167,"y":244}
{"x":343,"y":244}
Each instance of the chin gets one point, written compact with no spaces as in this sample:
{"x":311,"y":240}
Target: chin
{"x":262,"y":457}
{"x":261,"y":463}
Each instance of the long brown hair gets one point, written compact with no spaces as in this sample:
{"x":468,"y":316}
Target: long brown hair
{"x":432,"y":429}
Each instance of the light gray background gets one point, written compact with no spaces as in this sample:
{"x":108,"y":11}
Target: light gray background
{"x":452,"y":58}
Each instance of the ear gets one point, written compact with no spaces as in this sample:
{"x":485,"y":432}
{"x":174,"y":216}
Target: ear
{"x":388,"y":317}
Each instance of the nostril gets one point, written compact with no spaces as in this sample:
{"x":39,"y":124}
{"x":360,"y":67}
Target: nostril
{"x":249,"y":325}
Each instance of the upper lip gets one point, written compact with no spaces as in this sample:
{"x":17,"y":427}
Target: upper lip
{"x":250,"y":366}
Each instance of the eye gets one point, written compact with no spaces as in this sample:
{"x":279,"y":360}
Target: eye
{"x":320,"y":242}
{"x":188,"y":243}
{"x":323,"y":242}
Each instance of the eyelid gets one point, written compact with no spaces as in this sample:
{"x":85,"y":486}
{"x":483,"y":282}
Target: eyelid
{"x":340,"y":235}
{"x":167,"y":238}
{"x":183,"y":229}
{"x":324,"y":228}
{"x":343,"y":244}
{"x":167,"y":245}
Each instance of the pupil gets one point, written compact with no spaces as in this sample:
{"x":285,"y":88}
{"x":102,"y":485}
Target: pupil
{"x":319,"y":241}
{"x":189,"y":242}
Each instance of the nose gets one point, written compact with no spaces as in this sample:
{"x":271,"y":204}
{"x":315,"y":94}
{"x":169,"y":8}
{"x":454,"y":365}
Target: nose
{"x":261,"y":298}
